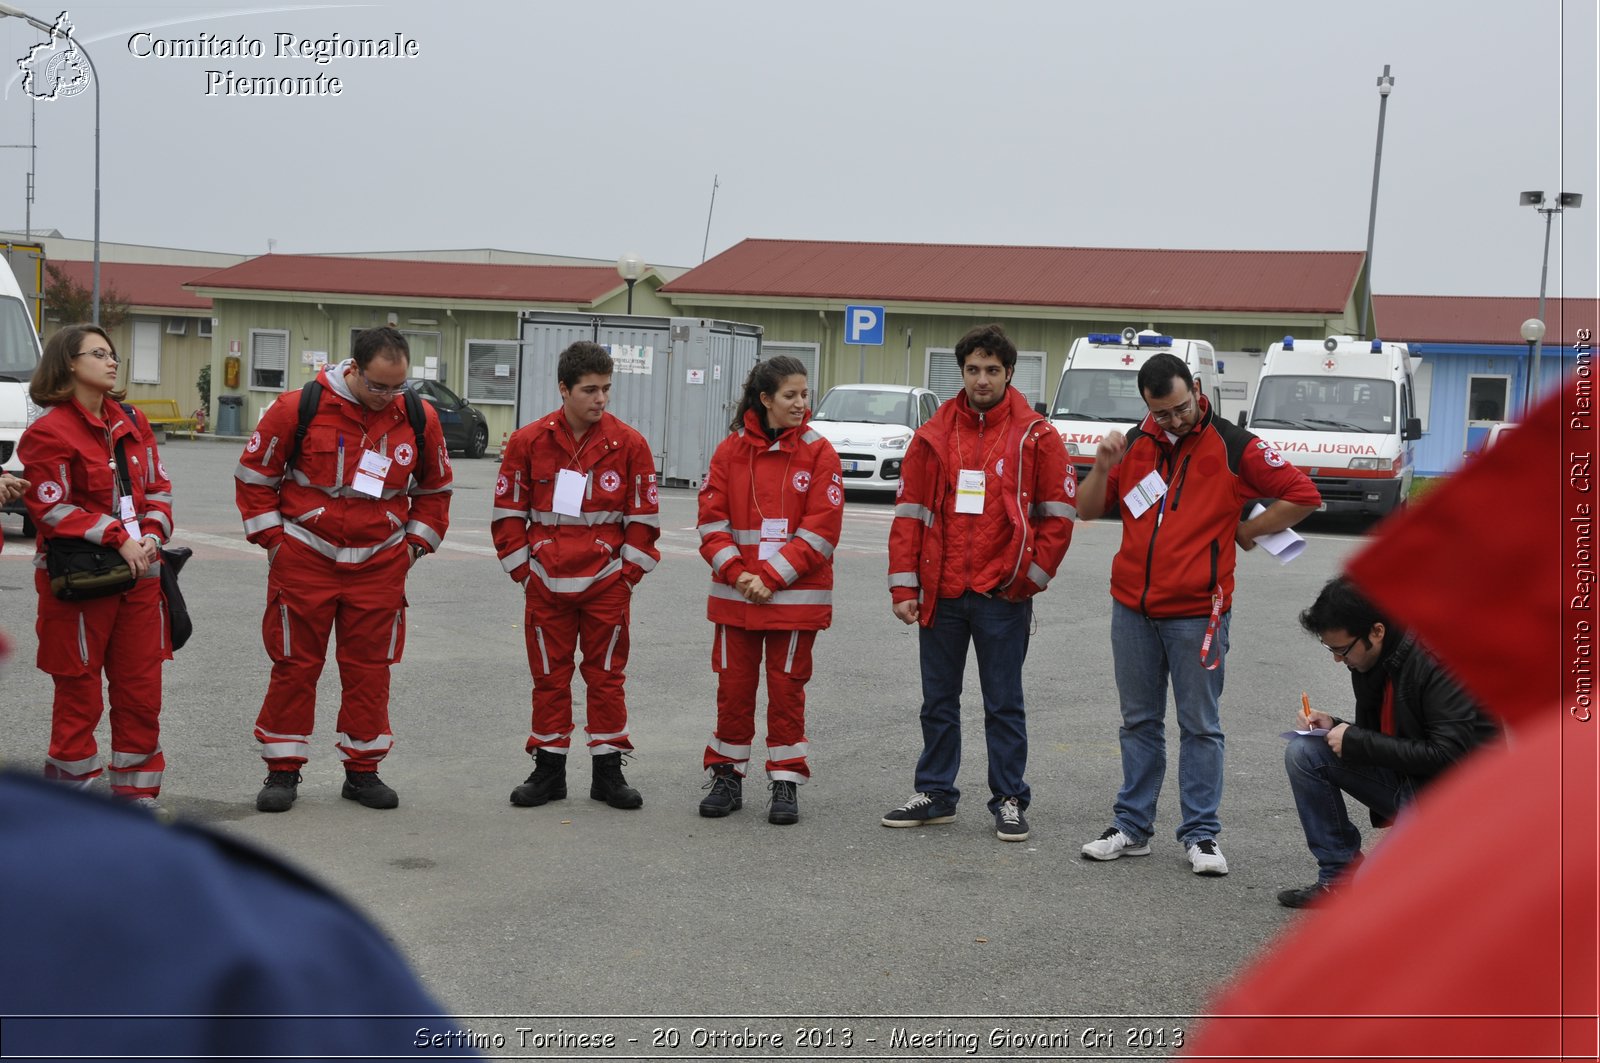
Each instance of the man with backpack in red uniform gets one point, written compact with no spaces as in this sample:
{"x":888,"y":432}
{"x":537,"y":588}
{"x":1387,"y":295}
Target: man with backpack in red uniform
{"x":345,"y":493}
{"x":1179,"y":482}
{"x":982,"y":520}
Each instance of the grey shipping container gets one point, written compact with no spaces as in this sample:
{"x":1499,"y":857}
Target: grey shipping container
{"x":677,"y":380}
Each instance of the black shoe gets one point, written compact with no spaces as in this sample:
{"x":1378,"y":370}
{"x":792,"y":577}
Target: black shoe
{"x":609,"y":785}
{"x":1306,"y":896}
{"x":727,"y":793}
{"x":367,"y":788}
{"x":279,"y":792}
{"x":1010,"y":825}
{"x":547,"y":783}
{"x":785,"y":808}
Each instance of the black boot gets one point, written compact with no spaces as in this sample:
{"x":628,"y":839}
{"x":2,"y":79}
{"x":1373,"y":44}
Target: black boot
{"x":547,"y":783}
{"x":785,"y":808}
{"x":609,"y":785}
{"x":727,"y":792}
{"x":367,"y":788}
{"x":279,"y":792}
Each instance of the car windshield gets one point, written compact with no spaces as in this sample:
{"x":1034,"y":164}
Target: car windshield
{"x":435,"y":390}
{"x":866,"y":406}
{"x":19,"y":347}
{"x":1325,"y":404}
{"x":1099,"y":395}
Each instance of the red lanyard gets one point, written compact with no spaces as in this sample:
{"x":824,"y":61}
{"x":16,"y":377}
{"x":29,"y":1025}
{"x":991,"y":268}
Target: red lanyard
{"x":1211,"y":631}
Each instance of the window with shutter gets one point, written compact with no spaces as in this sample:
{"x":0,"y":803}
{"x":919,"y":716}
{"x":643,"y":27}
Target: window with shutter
{"x":146,"y":368}
{"x":805,"y":352}
{"x":944,"y":375}
{"x":492,"y":371}
{"x":269,"y":359}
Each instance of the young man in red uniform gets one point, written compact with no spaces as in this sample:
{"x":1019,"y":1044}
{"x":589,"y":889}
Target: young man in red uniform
{"x":1179,"y":481}
{"x":361,"y":502}
{"x":983,"y":518}
{"x":575,"y":523}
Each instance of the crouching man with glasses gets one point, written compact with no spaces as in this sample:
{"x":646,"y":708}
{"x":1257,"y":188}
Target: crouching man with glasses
{"x":1412,"y":722}
{"x":345,"y":498}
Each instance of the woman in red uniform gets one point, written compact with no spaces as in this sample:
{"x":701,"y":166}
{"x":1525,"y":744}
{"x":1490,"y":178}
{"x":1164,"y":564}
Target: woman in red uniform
{"x":69,"y":458}
{"x":770,"y":510}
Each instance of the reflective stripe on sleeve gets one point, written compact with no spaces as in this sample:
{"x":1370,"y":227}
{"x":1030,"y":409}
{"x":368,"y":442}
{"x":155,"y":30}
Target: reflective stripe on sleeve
{"x":816,"y":542}
{"x":1037,"y":576}
{"x":57,"y":513}
{"x":97,"y":534}
{"x":785,"y":571}
{"x":515,"y":558}
{"x":263,"y":522}
{"x":638,"y":557}
{"x":245,"y":474}
{"x":914,"y":512}
{"x":508,"y":514}
{"x":425,"y":533}
{"x":904,"y":579}
{"x":1055,"y":509}
{"x":713,"y":527}
{"x":158,"y":496}
{"x":652,"y":520}
{"x":723,"y":556}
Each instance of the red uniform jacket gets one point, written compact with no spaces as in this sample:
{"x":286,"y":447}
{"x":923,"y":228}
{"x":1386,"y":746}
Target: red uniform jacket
{"x":1015,"y":545}
{"x":315,"y":502}
{"x":753,"y":479}
{"x":615,"y":531}
{"x":66,"y":456}
{"x":1183,"y":547}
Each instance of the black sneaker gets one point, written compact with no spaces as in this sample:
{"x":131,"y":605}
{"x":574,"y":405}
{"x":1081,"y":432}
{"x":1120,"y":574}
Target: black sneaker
{"x":1306,"y":896}
{"x":279,"y":792}
{"x":367,"y":788}
{"x":610,"y":786}
{"x":921,"y":809}
{"x":727,"y":793}
{"x":1009,"y":823}
{"x":785,"y":808}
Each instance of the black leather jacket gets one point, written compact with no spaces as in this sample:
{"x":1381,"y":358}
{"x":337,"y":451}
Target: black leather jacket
{"x":1435,"y":722}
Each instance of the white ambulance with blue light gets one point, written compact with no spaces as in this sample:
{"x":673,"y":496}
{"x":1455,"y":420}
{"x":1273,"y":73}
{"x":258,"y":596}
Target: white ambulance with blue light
{"x":19,"y":357}
{"x":1344,"y":411}
{"x":1099,"y":388}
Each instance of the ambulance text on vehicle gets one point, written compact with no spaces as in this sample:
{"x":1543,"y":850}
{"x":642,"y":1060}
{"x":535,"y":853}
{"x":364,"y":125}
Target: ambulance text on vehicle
{"x":1099,"y":388}
{"x":1344,"y":411}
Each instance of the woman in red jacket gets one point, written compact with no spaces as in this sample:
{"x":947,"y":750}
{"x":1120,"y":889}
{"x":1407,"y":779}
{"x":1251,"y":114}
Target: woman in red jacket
{"x":69,"y":457}
{"x":770,"y":510}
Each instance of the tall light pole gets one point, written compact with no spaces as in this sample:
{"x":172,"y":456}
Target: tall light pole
{"x":6,"y":10}
{"x":1536,"y":200}
{"x":630,"y":267}
{"x":1533,"y":335}
{"x":1385,"y":86}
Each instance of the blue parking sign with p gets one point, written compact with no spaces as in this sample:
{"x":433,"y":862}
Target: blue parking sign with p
{"x":864,"y":325}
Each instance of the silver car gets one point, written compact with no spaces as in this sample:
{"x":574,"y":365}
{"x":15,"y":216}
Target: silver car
{"x":870,"y":425}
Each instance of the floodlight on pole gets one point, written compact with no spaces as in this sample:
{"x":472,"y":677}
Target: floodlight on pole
{"x":630,"y":267}
{"x":1564,"y":201}
{"x":1532,"y":333}
{"x":8,"y":11}
{"x":1385,"y":86}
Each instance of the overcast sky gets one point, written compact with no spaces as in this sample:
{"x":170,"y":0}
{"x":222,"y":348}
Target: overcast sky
{"x":591,"y":129}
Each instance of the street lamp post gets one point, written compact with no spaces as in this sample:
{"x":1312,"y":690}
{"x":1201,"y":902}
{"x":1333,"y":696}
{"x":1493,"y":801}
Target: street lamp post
{"x":1536,"y":200}
{"x":1385,"y":86}
{"x":6,"y":10}
{"x":630,"y":267}
{"x":1533,"y":334}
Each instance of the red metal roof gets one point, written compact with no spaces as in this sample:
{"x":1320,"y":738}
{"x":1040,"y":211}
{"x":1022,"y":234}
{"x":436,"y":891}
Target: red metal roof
{"x":411,"y":279}
{"x":139,"y":283}
{"x":1305,"y":282}
{"x":1479,"y":319}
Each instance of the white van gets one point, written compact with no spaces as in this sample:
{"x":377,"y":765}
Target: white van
{"x":1344,"y":411}
{"x":1099,"y":388}
{"x":19,"y":357}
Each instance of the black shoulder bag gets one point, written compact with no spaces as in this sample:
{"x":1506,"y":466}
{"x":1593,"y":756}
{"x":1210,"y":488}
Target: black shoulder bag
{"x":80,"y":570}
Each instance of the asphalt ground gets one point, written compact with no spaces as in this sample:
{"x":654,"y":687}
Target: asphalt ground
{"x":575,"y":908}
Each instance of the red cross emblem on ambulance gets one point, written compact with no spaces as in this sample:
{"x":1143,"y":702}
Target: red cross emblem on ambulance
{"x":1329,"y":365}
{"x":1127,"y":359}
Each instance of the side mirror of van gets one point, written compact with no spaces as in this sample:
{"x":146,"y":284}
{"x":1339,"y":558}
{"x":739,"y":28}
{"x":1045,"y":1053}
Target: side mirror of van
{"x":1041,"y":409}
{"x":1413,"y":428}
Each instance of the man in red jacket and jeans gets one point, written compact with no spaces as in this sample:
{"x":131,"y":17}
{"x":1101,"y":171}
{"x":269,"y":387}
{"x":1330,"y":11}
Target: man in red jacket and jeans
{"x":983,"y":518}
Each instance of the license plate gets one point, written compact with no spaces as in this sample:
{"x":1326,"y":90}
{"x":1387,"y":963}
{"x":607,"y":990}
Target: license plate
{"x":850,"y":466}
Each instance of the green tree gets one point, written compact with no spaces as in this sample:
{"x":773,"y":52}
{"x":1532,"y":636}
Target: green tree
{"x":71,"y":303}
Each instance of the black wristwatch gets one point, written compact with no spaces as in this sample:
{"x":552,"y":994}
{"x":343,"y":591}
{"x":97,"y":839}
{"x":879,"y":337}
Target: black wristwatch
{"x":417,"y":550}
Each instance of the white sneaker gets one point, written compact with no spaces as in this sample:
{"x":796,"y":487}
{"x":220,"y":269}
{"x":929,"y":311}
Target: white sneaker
{"x":1112,"y":844}
{"x":1206,"y":858}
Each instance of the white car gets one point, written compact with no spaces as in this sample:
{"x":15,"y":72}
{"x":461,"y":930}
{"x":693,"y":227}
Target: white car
{"x":870,"y":425}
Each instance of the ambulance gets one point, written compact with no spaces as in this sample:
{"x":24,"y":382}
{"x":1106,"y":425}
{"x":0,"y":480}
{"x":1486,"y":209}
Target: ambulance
{"x":1099,"y":388}
{"x":19,"y":357}
{"x":1345,"y":412}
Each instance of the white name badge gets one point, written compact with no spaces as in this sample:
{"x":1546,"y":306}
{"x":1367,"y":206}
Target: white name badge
{"x":371,"y":473}
{"x":570,"y":486}
{"x":774,"y":533}
{"x":125,"y":514}
{"x":1145,"y":493}
{"x":969,"y":491}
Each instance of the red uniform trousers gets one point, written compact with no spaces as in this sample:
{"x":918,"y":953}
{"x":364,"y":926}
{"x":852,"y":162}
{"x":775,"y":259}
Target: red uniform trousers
{"x":308,"y":596}
{"x":124,"y":635}
{"x":556,"y":627}
{"x":736,"y":658}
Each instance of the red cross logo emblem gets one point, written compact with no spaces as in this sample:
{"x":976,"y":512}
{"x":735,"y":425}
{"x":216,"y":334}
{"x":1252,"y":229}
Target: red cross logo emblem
{"x":1328,"y":365}
{"x":1127,"y":359}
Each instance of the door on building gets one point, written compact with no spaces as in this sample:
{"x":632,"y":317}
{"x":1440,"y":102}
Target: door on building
{"x":1488,"y":398}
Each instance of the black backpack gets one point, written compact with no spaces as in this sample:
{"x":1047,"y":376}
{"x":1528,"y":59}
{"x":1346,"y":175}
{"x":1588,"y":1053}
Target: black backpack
{"x":311,"y":398}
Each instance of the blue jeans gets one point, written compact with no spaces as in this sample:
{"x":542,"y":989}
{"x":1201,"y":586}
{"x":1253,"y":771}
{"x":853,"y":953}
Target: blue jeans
{"x":1145,"y":653}
{"x":998,"y":630}
{"x":1320,"y":779}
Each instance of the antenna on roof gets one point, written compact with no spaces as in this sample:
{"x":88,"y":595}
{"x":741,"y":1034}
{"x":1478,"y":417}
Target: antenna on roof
{"x":707,"y":242}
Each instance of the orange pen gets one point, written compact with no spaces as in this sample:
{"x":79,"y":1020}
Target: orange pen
{"x":1305,"y":705}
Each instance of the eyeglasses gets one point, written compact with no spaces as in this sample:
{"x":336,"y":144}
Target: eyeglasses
{"x":1341,"y":651}
{"x":384,"y":389}
{"x":101,"y":353}
{"x":1176,"y":413}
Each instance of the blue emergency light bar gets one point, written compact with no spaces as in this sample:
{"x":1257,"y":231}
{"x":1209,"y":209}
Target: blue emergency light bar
{"x":1288,"y":343}
{"x":1142,"y":341}
{"x":1377,"y":346}
{"x":1105,"y":337}
{"x":1155,"y":341}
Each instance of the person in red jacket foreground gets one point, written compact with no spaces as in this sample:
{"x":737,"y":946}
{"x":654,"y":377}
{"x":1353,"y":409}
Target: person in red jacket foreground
{"x":983,"y":519}
{"x":575,"y":523}
{"x":361,"y":502}
{"x":1179,"y":481}
{"x":69,"y":458}
{"x":770,"y":510}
